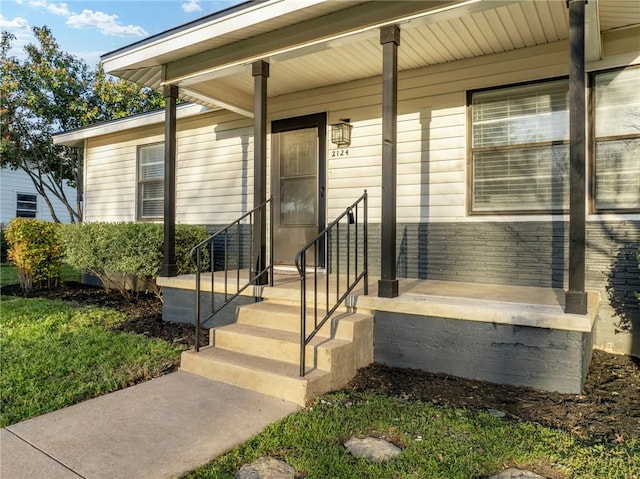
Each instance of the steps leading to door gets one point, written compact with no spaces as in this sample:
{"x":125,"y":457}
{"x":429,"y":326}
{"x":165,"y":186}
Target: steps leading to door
{"x":261,"y":352}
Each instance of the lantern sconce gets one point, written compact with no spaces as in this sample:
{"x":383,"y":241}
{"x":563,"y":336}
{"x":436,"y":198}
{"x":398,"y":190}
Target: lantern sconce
{"x":341,"y":133}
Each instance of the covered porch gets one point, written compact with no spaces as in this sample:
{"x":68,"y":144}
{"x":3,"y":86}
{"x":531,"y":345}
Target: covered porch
{"x":246,"y":58}
{"x":517,"y":335}
{"x":404,"y":74}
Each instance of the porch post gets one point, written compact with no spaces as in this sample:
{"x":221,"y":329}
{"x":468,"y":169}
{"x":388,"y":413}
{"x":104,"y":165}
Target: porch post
{"x":389,"y":39}
{"x":260,"y":71}
{"x":169,"y":267}
{"x":576,"y":297}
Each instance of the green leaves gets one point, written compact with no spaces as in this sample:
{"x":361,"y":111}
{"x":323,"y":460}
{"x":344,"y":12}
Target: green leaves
{"x":115,"y":251}
{"x":35,"y":249}
{"x":50,"y":91}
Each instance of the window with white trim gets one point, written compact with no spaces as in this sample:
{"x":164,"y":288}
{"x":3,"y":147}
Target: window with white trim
{"x":26,"y":205}
{"x":616,"y":134}
{"x":520,"y":148}
{"x":151,"y":181}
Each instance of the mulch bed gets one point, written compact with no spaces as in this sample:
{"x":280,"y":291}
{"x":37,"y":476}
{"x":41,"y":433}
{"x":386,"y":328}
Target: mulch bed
{"x":609,"y":409}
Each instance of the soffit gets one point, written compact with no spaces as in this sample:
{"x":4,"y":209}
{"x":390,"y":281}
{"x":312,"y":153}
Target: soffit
{"x":427,"y":40}
{"x":248,"y":20}
{"x":618,"y":14}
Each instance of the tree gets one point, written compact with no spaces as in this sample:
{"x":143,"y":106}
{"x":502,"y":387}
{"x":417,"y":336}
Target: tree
{"x":119,"y":98}
{"x":52,"y":91}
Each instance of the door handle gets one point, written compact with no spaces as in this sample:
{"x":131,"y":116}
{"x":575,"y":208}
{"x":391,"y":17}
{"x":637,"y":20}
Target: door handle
{"x":322,"y":192}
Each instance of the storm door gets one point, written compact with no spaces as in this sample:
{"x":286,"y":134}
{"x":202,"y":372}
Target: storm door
{"x":298,"y":185}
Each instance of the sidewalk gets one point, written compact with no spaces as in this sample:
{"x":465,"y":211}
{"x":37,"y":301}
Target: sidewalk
{"x":158,"y":429}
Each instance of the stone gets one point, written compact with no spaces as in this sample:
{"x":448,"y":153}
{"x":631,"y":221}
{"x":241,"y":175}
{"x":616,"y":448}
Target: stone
{"x":515,"y":473}
{"x":373,"y":449}
{"x":266,"y":468}
{"x":497,"y":413}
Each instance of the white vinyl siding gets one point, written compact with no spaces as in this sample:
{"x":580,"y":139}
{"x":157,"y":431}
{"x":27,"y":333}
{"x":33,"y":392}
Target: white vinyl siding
{"x":520,"y":148}
{"x":16,"y":182}
{"x":215,"y":149}
{"x":617,"y":140}
{"x":151,"y":181}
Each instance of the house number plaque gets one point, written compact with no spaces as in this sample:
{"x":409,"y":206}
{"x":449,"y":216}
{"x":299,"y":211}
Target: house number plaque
{"x":339,"y":153}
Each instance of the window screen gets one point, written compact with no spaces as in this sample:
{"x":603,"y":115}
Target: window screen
{"x":520,"y":148}
{"x":26,"y":205}
{"x":617,"y":140}
{"x":151,"y":181}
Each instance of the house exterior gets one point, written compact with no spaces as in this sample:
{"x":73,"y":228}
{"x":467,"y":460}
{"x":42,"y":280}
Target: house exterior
{"x":499,"y":142}
{"x":19,"y":198}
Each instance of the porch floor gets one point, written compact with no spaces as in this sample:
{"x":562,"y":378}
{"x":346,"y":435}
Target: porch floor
{"x":518,"y":335}
{"x":493,"y":303}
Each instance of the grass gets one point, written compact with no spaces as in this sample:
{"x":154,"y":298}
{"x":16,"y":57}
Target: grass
{"x":55,"y":355}
{"x":437,"y":442}
{"x":9,"y":274}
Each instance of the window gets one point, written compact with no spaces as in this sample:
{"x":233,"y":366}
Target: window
{"x":520,"y":148}
{"x":26,"y":205}
{"x":616,"y":133}
{"x":151,"y":181}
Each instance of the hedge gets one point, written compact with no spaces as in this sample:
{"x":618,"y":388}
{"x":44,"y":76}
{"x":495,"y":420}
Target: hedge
{"x":120,"y":254}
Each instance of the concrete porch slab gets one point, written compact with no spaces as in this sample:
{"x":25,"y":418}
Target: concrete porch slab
{"x":158,"y":429}
{"x":491,"y":303}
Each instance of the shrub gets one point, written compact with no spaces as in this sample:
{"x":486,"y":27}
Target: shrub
{"x":36,"y":250}
{"x":125,"y":255}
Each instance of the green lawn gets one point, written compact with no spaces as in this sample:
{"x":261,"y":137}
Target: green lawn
{"x":437,"y":442}
{"x":54,"y":355}
{"x":9,"y":274}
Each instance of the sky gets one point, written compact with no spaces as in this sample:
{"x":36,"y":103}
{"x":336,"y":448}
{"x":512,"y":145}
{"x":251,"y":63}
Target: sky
{"x":91,"y":28}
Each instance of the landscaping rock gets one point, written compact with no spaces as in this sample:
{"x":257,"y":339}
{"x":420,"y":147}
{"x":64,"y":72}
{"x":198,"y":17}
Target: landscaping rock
{"x":514,"y":473}
{"x":497,"y":413}
{"x":266,"y":468}
{"x":373,"y":449}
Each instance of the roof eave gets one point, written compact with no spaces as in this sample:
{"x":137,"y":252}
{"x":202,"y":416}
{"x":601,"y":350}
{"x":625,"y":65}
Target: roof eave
{"x":75,"y":138}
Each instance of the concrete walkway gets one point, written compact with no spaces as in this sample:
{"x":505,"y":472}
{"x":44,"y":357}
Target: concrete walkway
{"x":158,"y":429}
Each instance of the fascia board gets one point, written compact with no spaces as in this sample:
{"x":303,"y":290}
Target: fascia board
{"x":253,"y":15}
{"x":76,"y":137}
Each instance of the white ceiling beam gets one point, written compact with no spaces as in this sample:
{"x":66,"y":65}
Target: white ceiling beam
{"x":225,"y":97}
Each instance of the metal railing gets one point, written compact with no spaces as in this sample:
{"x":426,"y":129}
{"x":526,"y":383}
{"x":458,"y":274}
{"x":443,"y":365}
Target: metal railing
{"x":204,"y":257}
{"x":328,"y":242}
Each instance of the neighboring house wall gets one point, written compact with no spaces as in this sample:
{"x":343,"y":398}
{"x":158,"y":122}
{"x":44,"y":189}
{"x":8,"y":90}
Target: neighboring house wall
{"x":437,"y":238}
{"x":14,"y":182}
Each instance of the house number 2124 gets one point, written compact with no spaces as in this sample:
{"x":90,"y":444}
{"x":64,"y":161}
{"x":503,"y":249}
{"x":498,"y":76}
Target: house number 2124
{"x":339,"y":153}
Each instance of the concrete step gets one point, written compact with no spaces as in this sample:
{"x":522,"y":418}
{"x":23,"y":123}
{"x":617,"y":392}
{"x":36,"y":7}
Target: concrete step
{"x":266,"y":376}
{"x":286,"y":317}
{"x":277,"y":344}
{"x":261,"y":352}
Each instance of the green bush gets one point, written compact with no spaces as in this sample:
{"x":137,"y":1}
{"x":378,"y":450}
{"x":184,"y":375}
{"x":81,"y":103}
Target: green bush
{"x":125,"y":255}
{"x":36,"y":250}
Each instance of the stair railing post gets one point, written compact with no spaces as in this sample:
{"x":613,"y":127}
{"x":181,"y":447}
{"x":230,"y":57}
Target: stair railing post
{"x":197,"y":318}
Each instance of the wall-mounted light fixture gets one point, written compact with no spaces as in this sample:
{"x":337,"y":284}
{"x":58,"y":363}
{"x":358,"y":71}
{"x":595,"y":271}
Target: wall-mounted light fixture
{"x":341,"y":133}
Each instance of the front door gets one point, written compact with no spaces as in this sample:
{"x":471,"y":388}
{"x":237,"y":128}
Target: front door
{"x":298,"y":185}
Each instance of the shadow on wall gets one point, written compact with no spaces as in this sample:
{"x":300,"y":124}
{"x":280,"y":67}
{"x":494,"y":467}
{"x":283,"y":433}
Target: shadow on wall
{"x":623,"y":289}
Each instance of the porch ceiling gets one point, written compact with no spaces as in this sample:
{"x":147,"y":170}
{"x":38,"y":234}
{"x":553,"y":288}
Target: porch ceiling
{"x":319,"y":43}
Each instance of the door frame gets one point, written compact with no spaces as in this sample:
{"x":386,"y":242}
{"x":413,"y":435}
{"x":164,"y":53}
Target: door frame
{"x":318,"y":120}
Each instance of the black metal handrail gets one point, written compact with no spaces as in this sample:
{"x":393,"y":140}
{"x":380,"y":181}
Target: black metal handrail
{"x":352,"y":217}
{"x":203,"y":254}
